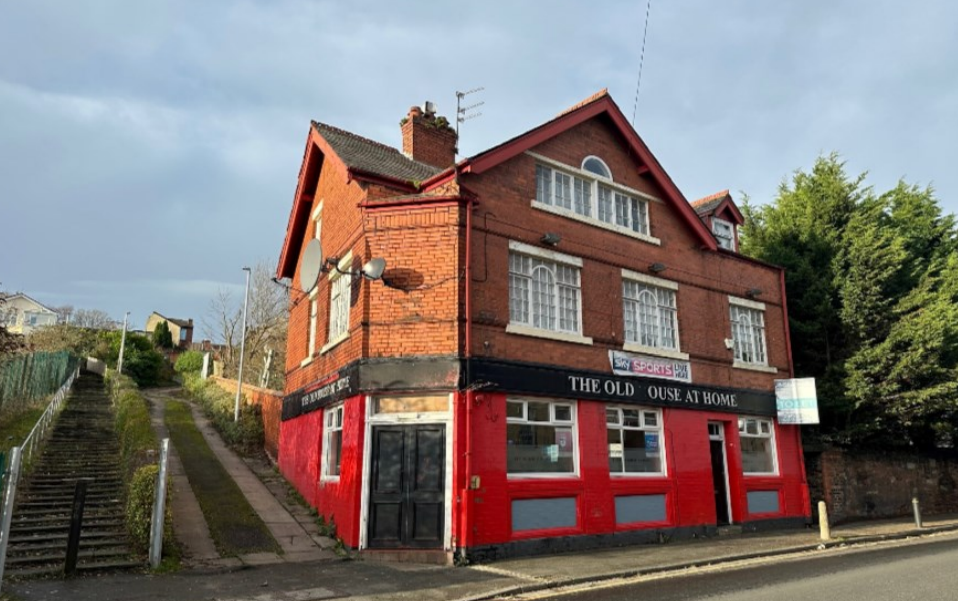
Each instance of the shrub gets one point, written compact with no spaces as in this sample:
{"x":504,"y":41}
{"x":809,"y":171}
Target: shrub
{"x":139,"y":509}
{"x":190,"y":362}
{"x":133,"y":427}
{"x":246,"y":435}
{"x":141,"y":361}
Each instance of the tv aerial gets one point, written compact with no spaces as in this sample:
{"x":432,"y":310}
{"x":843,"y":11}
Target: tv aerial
{"x":461,"y":111}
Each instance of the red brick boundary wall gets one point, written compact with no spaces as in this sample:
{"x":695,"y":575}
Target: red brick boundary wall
{"x":271,"y":406}
{"x":860,"y":485}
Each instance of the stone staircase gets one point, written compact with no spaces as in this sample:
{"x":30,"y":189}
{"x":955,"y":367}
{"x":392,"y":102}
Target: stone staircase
{"x":82,"y":445}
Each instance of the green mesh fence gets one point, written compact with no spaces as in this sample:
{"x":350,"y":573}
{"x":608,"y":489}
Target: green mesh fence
{"x":25,"y":378}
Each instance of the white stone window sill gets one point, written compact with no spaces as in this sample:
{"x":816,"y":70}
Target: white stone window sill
{"x":515,"y":328}
{"x":306,"y":361}
{"x":334,"y":342}
{"x":755,"y":367}
{"x":595,"y":222}
{"x":657,"y":352}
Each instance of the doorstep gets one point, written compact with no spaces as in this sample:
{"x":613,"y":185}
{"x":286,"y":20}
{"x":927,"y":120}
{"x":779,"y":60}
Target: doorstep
{"x":426,"y":556}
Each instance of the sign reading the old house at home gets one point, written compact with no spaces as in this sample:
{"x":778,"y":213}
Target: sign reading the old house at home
{"x":624,"y":364}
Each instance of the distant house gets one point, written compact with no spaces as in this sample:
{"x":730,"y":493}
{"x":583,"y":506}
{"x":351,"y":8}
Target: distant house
{"x":21,"y":314}
{"x":181,"y":329}
{"x":722,"y":217}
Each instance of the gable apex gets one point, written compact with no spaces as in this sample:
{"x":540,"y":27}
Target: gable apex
{"x":600,"y":103}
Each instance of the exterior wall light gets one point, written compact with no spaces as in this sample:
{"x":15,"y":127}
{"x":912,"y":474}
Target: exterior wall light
{"x":551,"y":238}
{"x":753,"y":292}
{"x":657,"y":267}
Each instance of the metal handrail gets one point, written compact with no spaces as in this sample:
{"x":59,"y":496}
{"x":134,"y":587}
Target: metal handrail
{"x":35,"y":437}
{"x":31,"y":442}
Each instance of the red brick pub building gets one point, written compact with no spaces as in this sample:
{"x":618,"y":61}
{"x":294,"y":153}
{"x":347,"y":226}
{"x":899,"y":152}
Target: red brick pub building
{"x":562,"y":352}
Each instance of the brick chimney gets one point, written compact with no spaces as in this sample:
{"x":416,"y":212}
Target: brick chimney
{"x":427,"y":138}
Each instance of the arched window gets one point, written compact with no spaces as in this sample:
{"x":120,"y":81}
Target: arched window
{"x":594,"y":164}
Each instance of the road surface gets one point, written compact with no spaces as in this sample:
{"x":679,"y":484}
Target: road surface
{"x":924,"y":570}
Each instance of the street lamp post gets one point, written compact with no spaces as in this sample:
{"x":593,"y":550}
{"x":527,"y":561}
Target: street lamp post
{"x":239,"y":377}
{"x":119,"y":361}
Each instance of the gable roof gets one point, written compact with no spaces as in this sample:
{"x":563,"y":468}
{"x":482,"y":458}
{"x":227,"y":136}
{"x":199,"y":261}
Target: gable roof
{"x":600,"y":103}
{"x":360,"y":158}
{"x":183,"y":323}
{"x":715,"y":203}
{"x":43,"y":307}
{"x":704,"y":206}
{"x":369,"y":156}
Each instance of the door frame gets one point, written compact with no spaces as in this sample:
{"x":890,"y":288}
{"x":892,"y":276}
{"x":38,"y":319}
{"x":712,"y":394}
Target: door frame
{"x":728,"y":493}
{"x":406,"y":419}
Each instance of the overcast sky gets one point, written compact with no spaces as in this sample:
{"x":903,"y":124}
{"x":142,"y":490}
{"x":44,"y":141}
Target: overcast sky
{"x":149,"y":150}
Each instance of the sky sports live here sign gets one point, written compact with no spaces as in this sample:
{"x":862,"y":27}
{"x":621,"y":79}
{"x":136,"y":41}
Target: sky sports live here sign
{"x":796,"y":401}
{"x":624,"y":364}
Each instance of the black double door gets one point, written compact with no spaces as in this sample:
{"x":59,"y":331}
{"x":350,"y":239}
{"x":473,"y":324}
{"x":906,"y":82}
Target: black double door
{"x":407,"y":487}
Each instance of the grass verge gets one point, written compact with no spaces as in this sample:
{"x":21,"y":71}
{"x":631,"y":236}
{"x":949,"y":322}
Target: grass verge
{"x":15,"y":427}
{"x":234,"y":525}
{"x":245,"y":436}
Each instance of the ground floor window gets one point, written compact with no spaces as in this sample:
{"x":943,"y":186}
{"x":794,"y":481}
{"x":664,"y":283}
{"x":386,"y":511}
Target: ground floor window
{"x":758,"y":445}
{"x":635,"y":440}
{"x":332,"y":441}
{"x":540,"y":437}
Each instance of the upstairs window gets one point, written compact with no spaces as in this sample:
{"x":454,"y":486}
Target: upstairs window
{"x":544,"y":293}
{"x":748,"y":331}
{"x":590,"y":193}
{"x":651,"y":316}
{"x":597,"y":166}
{"x":724,"y":233}
{"x":340,"y":297}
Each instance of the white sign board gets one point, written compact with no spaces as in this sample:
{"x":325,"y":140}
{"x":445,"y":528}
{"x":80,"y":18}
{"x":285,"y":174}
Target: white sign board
{"x":797,"y":401}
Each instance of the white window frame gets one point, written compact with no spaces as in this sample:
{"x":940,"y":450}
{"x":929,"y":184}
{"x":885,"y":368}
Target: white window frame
{"x":528,"y":327}
{"x":340,"y":291}
{"x":724,"y":230}
{"x":637,"y":346}
{"x":573,"y":423}
{"x":605,"y":165}
{"x":643,"y":427}
{"x":743,"y":423}
{"x":591,"y":215}
{"x":739,"y":307}
{"x":330,"y":425}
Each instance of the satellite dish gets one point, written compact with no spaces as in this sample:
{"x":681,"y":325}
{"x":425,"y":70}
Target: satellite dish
{"x":374,"y":268}
{"x":312,"y":263}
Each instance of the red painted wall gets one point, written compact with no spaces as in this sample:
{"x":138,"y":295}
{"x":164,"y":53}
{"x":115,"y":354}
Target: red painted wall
{"x":301,"y":442}
{"x":687,"y":486}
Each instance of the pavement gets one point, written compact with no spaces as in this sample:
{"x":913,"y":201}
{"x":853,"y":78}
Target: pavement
{"x":308,"y":569}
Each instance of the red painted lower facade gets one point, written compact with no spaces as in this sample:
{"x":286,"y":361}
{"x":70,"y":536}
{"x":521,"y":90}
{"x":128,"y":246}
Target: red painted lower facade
{"x":480,"y":496}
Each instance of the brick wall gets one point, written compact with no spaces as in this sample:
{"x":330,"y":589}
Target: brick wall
{"x":705,"y":279}
{"x":271,"y":407}
{"x":860,"y":485}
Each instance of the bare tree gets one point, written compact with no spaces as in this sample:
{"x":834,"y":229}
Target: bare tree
{"x":64,"y":313}
{"x":266,"y":326}
{"x":94,"y":318}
